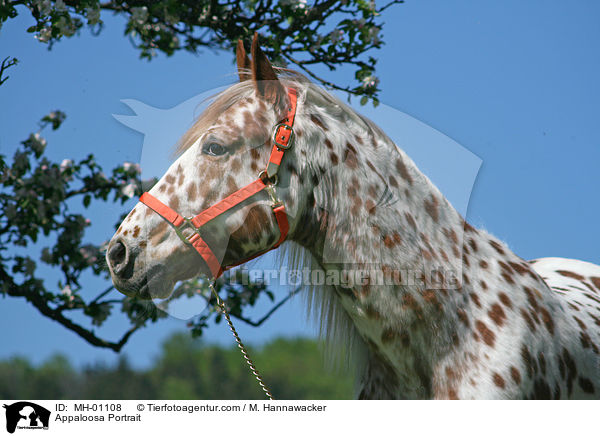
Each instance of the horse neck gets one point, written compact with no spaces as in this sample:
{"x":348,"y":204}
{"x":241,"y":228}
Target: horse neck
{"x":373,"y":211}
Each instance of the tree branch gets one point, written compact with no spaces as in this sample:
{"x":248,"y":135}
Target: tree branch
{"x":270,"y":312}
{"x":102,"y":294}
{"x":320,"y":79}
{"x":40,"y":304}
{"x":7,"y":62}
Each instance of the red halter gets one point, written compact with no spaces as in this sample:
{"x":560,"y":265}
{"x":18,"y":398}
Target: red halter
{"x":283,"y":134}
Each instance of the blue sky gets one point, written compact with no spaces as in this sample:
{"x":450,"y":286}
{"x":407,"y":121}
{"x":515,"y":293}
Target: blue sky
{"x":514,"y":82}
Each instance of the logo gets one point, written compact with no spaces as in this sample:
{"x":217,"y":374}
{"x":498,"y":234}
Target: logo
{"x":26,"y":415}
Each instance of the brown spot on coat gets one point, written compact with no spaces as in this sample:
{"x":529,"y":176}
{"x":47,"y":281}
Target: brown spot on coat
{"x":504,"y":299}
{"x":542,"y":362}
{"x":157,"y":233}
{"x":474,"y":297}
{"x":541,"y":390}
{"x":254,"y":153}
{"x":586,"y":385}
{"x":410,"y":303}
{"x":515,"y":374}
{"x":528,"y":319}
{"x":496,"y":313}
{"x":473,"y":244}
{"x":498,"y":380}
{"x":410,"y":220}
{"x":488,"y":336}
{"x":496,"y":246}
{"x":403,"y":171}
{"x":231,"y":185}
{"x":388,"y":336}
{"x":430,"y":297}
{"x":318,"y":121}
{"x":370,"y":207}
{"x":571,"y":369}
{"x":571,"y":274}
{"x":527,"y":361}
{"x":431,"y":207}
{"x":350,"y":158}
{"x":548,"y":321}
{"x":191,"y":192}
{"x":586,"y":342}
{"x":519,"y":268}
{"x":452,"y":394}
{"x":462,"y":316}
{"x":174,"y":203}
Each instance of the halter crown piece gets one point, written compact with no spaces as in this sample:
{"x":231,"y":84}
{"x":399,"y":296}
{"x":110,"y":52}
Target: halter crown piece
{"x":282,"y":139}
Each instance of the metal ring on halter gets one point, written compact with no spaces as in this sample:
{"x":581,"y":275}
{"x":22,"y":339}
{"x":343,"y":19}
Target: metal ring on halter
{"x":187,"y":224}
{"x":268,"y":180}
{"x":289,"y":142}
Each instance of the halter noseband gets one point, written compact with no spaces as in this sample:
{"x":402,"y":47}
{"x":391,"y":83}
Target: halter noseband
{"x":282,"y":138}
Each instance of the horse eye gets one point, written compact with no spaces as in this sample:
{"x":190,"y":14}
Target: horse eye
{"x":214,"y":149}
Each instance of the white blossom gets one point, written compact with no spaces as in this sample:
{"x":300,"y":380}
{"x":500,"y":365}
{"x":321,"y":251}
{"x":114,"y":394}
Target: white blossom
{"x":359,"y":23}
{"x":93,"y":15}
{"x":128,"y":190}
{"x":127,"y":166}
{"x":373,"y":35}
{"x":89,"y":254}
{"x":66,"y":26}
{"x":60,"y":6}
{"x":139,"y":14}
{"x":296,"y":4}
{"x":370,"y":82}
{"x":67,"y":292}
{"x":41,"y":141}
{"x":44,"y":34}
{"x":336,"y":36}
{"x":65,"y":164}
{"x":44,"y":6}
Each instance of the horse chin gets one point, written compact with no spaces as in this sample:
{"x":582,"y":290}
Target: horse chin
{"x":155,"y":287}
{"x":147,"y":286}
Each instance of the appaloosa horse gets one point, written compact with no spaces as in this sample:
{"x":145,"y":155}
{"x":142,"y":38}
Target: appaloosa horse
{"x":444,"y":311}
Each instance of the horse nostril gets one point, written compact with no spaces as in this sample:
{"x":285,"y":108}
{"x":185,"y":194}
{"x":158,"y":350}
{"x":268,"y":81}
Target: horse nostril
{"x":117,"y":255}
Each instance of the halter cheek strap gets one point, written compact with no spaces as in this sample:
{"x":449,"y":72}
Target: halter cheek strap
{"x":282,"y":139}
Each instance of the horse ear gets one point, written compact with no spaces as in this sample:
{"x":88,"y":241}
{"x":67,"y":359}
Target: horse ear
{"x":243,"y":62}
{"x":265,"y":79}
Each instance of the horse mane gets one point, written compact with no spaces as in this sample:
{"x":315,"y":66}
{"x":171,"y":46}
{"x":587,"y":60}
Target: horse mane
{"x":230,"y":96}
{"x":344,"y":348}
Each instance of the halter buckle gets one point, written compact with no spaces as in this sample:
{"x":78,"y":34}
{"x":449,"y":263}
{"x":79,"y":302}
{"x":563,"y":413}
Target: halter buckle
{"x":288,"y":144}
{"x":187,"y":222}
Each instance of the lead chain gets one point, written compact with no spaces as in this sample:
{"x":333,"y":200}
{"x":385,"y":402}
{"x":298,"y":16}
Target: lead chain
{"x":240,"y":344}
